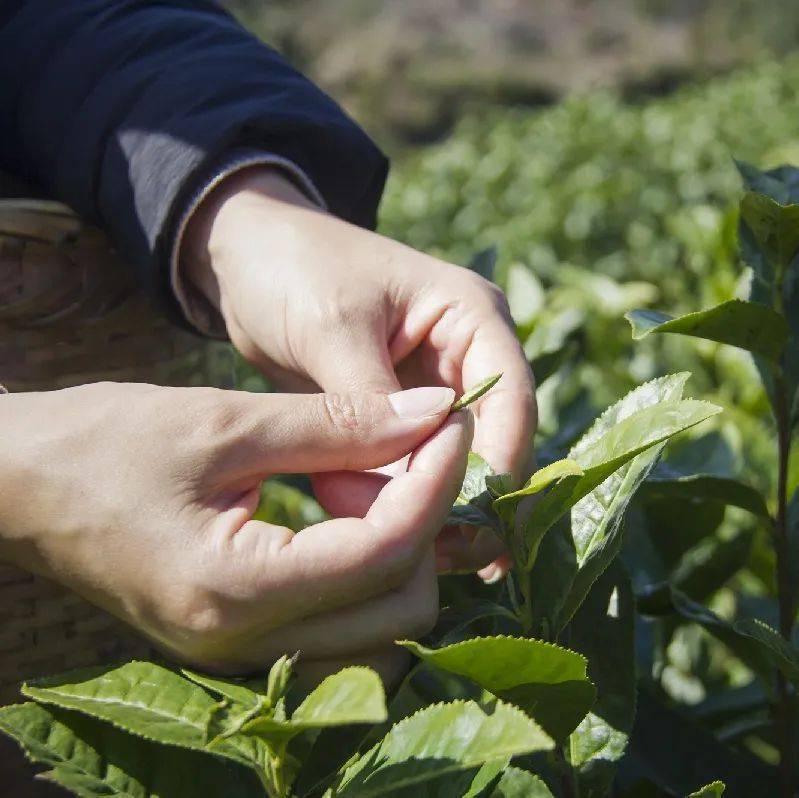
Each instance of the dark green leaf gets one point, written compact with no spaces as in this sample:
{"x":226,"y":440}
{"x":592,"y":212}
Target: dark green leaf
{"x":708,"y":566}
{"x":603,"y":630}
{"x":707,"y":487}
{"x":473,"y":504}
{"x":678,"y":754}
{"x":546,"y":681}
{"x":484,"y":262}
{"x":747,"y":325}
{"x":752,"y":652}
{"x":545,"y":364}
{"x":782,"y":653}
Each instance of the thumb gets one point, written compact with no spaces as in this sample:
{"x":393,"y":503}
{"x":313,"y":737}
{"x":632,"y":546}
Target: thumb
{"x":306,"y":433}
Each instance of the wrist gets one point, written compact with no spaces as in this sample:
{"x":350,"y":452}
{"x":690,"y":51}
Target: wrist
{"x":243,"y":203}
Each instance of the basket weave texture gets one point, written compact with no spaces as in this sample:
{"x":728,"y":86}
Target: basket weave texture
{"x":71,"y":313}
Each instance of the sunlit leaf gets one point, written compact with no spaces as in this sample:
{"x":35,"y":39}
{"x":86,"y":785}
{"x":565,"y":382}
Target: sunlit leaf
{"x":440,"y":740}
{"x":517,"y":783}
{"x":713,"y":790}
{"x":546,"y":681}
{"x":92,"y":758}
{"x":747,"y":325}
{"x":353,"y":695}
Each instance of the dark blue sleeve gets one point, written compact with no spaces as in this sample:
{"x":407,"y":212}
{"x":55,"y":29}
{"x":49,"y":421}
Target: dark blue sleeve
{"x":117,"y":107}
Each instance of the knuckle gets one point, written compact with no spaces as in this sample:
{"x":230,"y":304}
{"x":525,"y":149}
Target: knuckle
{"x":198,"y":624}
{"x":398,"y":557}
{"x":349,"y":417}
{"x":337,"y":313}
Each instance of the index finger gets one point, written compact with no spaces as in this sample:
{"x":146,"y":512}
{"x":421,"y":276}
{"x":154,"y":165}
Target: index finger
{"x":347,"y":560}
{"x":506,"y":417}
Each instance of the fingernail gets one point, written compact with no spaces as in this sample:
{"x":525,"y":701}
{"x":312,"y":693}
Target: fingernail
{"x":491,"y":574}
{"x":421,"y":402}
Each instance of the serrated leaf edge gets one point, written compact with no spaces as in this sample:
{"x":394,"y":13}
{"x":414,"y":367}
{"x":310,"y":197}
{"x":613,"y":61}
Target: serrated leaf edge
{"x":463,"y":643}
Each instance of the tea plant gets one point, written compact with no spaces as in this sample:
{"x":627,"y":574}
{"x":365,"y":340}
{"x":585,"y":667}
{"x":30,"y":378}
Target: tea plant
{"x":515,"y":695}
{"x":556,"y":682}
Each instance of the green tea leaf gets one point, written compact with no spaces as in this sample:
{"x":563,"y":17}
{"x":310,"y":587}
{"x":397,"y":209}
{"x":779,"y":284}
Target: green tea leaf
{"x":677,"y":754}
{"x":474,"y":481}
{"x":546,"y":681}
{"x":714,"y":790}
{"x":540,"y":480}
{"x":645,"y":418}
{"x":596,"y":518}
{"x":277,"y":681}
{"x":474,"y":393}
{"x":707,"y":487}
{"x":351,"y":696}
{"x":517,"y":783}
{"x":747,"y":325}
{"x":286,"y":505}
{"x":525,"y":295}
{"x":92,"y":758}
{"x":603,"y":631}
{"x":782,"y":653}
{"x":139,"y":697}
{"x":473,"y":504}
{"x":563,"y":472}
{"x":237,"y":691}
{"x":775,"y":226}
{"x":486,"y":778}
{"x":440,"y":740}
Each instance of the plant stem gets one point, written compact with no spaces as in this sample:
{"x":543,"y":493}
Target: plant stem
{"x":568,"y":786}
{"x":782,"y":709}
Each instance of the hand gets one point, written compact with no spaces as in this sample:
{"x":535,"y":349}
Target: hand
{"x":140,"y":499}
{"x":317,"y":303}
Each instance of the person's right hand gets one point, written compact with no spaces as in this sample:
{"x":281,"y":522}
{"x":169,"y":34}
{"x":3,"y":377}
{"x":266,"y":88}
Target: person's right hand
{"x":141,"y":499}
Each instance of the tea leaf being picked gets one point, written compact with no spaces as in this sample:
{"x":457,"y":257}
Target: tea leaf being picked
{"x":473,"y":394}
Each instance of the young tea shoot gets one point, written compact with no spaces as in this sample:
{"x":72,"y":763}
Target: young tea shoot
{"x":473,"y":394}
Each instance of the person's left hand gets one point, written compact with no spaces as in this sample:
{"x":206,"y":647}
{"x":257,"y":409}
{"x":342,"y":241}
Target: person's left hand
{"x":319,"y":304}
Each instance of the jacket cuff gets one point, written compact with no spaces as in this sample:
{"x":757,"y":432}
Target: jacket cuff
{"x":196,"y":309}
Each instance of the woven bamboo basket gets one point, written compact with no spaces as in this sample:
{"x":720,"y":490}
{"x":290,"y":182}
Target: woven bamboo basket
{"x":71,"y":313}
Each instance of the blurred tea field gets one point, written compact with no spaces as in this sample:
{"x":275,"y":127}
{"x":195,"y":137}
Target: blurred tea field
{"x":597,"y":206}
